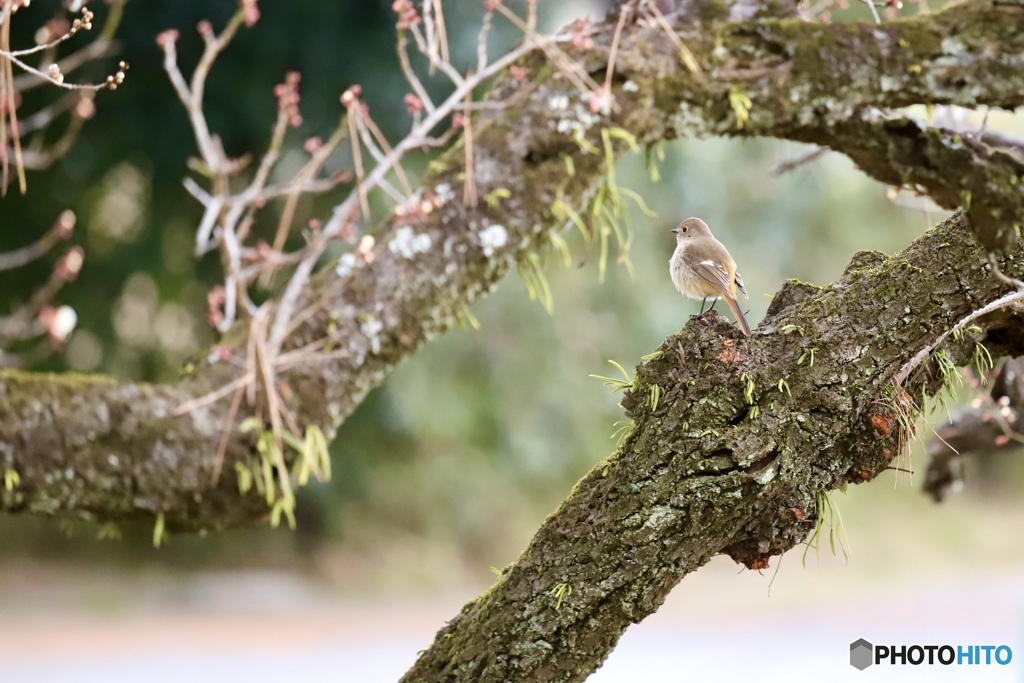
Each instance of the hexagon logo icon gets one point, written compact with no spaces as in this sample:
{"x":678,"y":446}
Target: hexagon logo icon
{"x":861,"y":654}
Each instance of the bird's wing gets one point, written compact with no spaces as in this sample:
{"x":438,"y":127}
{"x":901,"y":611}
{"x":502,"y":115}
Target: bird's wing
{"x":711,"y":271}
{"x":739,"y":285}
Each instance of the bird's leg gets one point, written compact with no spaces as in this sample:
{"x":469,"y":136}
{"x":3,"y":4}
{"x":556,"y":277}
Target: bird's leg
{"x":713,"y":302}
{"x":700,"y":315}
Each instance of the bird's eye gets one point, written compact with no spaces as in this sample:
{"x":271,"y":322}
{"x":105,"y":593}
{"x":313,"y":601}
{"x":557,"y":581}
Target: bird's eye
{"x":684,"y":229}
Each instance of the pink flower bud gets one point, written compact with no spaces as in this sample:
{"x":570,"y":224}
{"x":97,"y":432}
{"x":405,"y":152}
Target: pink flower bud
{"x":65,"y":224}
{"x":252,"y":12}
{"x":70,"y":265}
{"x":349,"y":97}
{"x":413,"y":103}
{"x":312,"y":144}
{"x":167,"y":38}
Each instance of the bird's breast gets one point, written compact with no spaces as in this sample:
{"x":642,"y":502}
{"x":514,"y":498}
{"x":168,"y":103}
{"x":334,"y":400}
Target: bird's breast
{"x":687,"y":282}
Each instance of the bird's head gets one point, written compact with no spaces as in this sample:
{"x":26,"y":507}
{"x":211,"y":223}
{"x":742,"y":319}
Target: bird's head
{"x":690,"y":228}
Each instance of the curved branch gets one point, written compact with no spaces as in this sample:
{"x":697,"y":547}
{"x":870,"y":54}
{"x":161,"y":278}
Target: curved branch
{"x":734,"y":443}
{"x":987,"y":181}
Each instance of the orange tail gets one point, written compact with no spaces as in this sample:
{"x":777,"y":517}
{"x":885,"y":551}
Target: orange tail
{"x":738,"y":314}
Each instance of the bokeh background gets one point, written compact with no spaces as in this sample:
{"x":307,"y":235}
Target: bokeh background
{"x":445,"y":471}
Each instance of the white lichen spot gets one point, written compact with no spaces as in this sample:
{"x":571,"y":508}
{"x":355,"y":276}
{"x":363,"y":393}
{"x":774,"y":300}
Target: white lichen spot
{"x":576,"y":119}
{"x":372,"y":328}
{"x":445,"y":192}
{"x":690,"y":119}
{"x":889,"y":84}
{"x":630,"y":86}
{"x":346,"y":264}
{"x":952,"y":46}
{"x":766,"y":476}
{"x":558,"y":102}
{"x":492,"y":238}
{"x":660,"y":516}
{"x":407,"y":243}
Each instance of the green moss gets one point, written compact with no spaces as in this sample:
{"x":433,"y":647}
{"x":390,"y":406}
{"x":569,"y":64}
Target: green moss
{"x":714,"y":11}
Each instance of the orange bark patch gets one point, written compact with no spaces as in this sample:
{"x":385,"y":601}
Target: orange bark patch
{"x":881,"y":425}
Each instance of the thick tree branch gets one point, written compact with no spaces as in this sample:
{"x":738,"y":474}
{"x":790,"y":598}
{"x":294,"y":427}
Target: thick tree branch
{"x":956,"y":169}
{"x":100,"y":449}
{"x":735,"y":441}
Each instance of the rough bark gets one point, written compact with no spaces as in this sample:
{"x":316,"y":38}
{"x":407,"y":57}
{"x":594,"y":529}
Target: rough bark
{"x":805,"y":81}
{"x":725,"y":459}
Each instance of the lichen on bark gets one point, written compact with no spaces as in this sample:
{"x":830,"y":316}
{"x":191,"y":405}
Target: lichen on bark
{"x":703,"y":474}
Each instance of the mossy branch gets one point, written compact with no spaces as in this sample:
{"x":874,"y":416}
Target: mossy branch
{"x":693,"y":478}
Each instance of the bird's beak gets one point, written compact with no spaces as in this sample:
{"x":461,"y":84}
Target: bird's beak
{"x":674,"y":230}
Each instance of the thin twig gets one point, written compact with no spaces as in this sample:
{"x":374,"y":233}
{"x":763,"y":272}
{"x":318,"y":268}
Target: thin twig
{"x":47,"y":77}
{"x":302,"y":180}
{"x":96,"y":50}
{"x":576,"y":74}
{"x":215,"y":395}
{"x":1013,"y":282}
{"x":295,"y":188}
{"x":383,"y":142}
{"x":379,"y":156}
{"x":191,"y":95}
{"x":442,"y":31}
{"x":229,"y":423}
{"x":357,"y":161}
{"x":874,"y":12}
{"x":343,"y":211}
{"x":1003,"y":301}
{"x":410,"y":75}
{"x":29,"y":253}
{"x":469,"y":197}
{"x":684,"y":52}
{"x":206,"y":226}
{"x":426,"y":50}
{"x":796,"y":162}
{"x":624,"y":13}
{"x":481,"y":41}
{"x":8,"y":106}
{"x":233,"y":266}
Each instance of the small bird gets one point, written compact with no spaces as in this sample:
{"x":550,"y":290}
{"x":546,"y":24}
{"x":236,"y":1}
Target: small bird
{"x":701,"y":268}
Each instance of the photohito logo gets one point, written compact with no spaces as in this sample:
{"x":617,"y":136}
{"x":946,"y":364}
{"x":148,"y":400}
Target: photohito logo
{"x":860,"y":654}
{"x":863,"y":654}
